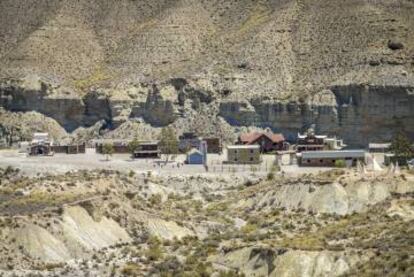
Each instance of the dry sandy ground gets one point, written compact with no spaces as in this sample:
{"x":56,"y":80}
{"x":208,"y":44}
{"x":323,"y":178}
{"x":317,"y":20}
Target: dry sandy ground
{"x":61,"y":163}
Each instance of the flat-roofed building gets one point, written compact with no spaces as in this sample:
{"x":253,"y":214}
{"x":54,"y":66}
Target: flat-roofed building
{"x":147,"y":150}
{"x":330,"y":158}
{"x":243,"y":154}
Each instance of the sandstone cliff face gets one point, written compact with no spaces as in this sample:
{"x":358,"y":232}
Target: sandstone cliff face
{"x":357,"y":113}
{"x":33,"y":95}
{"x":73,"y":111}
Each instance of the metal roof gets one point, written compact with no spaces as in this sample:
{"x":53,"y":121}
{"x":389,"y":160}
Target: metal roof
{"x":379,"y":145}
{"x":254,"y":146}
{"x":146,"y":151}
{"x":334,"y":154}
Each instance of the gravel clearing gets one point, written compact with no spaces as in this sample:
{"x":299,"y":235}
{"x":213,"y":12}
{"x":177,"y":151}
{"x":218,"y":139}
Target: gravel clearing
{"x":62,"y":163}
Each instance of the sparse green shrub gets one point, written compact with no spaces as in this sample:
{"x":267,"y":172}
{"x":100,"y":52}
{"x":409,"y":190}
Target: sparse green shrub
{"x":131,"y":269}
{"x":154,"y":252}
{"x":107,"y":150}
{"x":270,"y":176}
{"x":248,"y":183}
{"x":133,"y":146}
{"x":249,"y":228}
{"x":155,"y":199}
{"x":340,"y":163}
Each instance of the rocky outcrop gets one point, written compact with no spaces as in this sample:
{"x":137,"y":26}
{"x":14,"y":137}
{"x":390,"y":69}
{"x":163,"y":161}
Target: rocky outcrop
{"x":39,"y":243}
{"x":369,"y":113}
{"x":72,"y":237}
{"x":19,"y":126}
{"x":357,"y":113}
{"x":259,"y":261}
{"x":96,"y":108}
{"x":308,"y":264}
{"x":330,"y":199}
{"x":72,"y":111}
{"x":158,"y":110}
{"x":265,"y":54}
{"x":32,"y":94}
{"x":167,"y":230}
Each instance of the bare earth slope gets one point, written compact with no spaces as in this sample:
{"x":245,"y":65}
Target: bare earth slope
{"x":236,"y":51}
{"x":289,"y":43}
{"x":115,"y":223}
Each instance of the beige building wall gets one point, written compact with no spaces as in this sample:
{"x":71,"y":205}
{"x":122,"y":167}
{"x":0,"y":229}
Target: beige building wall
{"x":243,"y":156}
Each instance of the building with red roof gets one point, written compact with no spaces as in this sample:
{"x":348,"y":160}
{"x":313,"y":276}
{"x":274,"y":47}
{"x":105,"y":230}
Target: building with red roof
{"x":268,"y":141}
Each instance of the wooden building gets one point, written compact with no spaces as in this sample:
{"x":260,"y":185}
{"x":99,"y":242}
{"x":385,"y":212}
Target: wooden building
{"x":312,"y":142}
{"x":40,"y":150}
{"x":188,"y":141}
{"x":243,"y":154}
{"x":267,"y":141}
{"x":214,"y":145}
{"x":69,"y":149}
{"x":330,"y":158}
{"x":147,"y":150}
{"x":41,"y":145}
{"x":120,"y":146}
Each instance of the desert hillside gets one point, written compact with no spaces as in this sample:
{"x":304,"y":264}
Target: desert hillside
{"x":251,"y":59}
{"x":274,"y":46}
{"x":115,"y":223}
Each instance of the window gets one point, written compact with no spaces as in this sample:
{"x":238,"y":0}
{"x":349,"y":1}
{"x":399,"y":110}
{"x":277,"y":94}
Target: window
{"x":251,"y":151}
{"x":308,"y":161}
{"x":321,"y":161}
{"x":251,"y":159}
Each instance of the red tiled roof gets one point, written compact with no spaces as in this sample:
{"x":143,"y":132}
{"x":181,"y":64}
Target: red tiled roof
{"x":252,"y":137}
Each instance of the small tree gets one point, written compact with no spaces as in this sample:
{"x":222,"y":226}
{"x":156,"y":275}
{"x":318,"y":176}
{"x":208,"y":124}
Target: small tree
{"x":168,"y":143}
{"x":340,"y":163}
{"x":133,"y":146}
{"x":108,"y":150}
{"x":401,"y":146}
